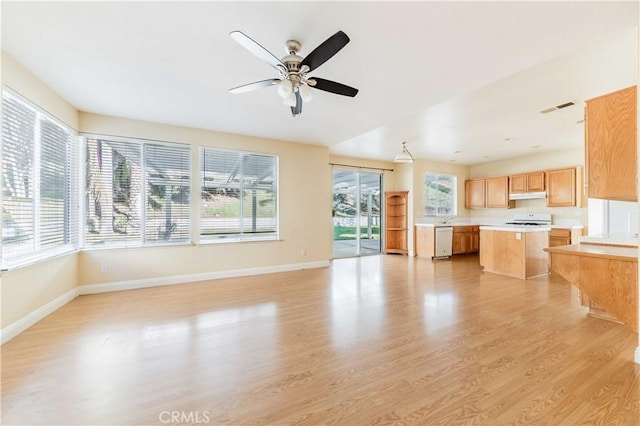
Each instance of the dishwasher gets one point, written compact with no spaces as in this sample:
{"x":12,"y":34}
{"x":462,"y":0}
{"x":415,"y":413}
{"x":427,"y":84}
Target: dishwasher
{"x":444,"y":242}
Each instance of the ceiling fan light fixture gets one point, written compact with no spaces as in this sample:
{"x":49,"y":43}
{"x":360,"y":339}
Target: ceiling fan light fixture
{"x":305,"y":93}
{"x":285,"y":88}
{"x":290,"y":100}
{"x":404,"y":156}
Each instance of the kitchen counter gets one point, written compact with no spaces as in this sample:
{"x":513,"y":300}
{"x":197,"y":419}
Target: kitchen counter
{"x":514,"y":251}
{"x":627,"y":240}
{"x":515,"y":228}
{"x":437,"y":225}
{"x":606,"y":274}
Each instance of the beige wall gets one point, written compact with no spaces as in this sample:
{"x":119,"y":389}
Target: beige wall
{"x":304,"y":210}
{"x":532,"y":163}
{"x":25,"y":83}
{"x":420,"y":167}
{"x":27,"y":289}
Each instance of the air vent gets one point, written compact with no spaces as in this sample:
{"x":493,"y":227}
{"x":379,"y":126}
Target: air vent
{"x":557,"y":107}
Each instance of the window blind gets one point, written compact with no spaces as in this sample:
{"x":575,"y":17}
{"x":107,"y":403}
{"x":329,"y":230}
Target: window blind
{"x":137,"y":192}
{"x":238,"y":195}
{"x":39,"y":183}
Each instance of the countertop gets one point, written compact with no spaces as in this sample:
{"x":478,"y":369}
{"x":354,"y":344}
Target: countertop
{"x":440,"y":225}
{"x":611,"y":240}
{"x":515,"y":228}
{"x":567,"y":226}
{"x":597,"y":250}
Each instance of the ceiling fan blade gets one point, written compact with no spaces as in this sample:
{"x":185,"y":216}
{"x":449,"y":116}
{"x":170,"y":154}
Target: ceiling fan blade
{"x":254,"y":47}
{"x":325,"y":51}
{"x":334,"y":87}
{"x":256,"y":85}
{"x":298,"y":108}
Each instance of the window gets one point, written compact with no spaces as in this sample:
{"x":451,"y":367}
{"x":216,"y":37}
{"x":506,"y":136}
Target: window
{"x":238,"y":195}
{"x":39,"y":183}
{"x":137,"y":192}
{"x":439,"y":194}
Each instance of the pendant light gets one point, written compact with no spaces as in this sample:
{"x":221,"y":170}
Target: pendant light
{"x":405,"y":156}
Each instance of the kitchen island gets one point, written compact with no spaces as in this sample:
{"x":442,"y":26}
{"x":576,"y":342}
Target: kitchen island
{"x":515,"y":251}
{"x":606,"y":274}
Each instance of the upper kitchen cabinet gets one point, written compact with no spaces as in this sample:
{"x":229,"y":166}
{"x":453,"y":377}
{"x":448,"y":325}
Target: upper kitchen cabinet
{"x":610,"y":146}
{"x":530,"y":182}
{"x":474,"y":194}
{"x":497,"y":193}
{"x":488,"y":193}
{"x":564,"y":187}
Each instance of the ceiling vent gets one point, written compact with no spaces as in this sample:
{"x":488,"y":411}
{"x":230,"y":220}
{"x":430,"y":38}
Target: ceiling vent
{"x":557,"y":107}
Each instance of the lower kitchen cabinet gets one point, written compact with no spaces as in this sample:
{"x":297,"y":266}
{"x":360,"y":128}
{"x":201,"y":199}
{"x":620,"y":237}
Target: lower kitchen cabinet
{"x":466,"y":239}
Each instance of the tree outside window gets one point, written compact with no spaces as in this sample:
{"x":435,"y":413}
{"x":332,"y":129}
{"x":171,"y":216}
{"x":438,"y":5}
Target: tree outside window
{"x":440,"y":194}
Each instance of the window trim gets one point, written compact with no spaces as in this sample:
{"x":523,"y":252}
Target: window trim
{"x":454,"y":198}
{"x":237,"y":238}
{"x":72,"y":245}
{"x":130,"y":243}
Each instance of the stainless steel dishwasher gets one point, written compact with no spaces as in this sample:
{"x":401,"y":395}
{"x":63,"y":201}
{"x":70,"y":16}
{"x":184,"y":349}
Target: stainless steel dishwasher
{"x":444,"y":242}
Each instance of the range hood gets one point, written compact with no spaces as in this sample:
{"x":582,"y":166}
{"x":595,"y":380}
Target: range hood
{"x":528,"y":195}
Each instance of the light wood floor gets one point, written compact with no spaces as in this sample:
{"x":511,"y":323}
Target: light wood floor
{"x":376,"y":340}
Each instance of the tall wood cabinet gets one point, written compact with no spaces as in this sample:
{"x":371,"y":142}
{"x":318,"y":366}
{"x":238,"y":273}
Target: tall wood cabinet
{"x":610,"y":146}
{"x":396,"y":222}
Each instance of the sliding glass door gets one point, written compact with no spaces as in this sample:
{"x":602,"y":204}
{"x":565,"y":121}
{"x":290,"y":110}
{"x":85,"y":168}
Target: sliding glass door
{"x":356,"y":213}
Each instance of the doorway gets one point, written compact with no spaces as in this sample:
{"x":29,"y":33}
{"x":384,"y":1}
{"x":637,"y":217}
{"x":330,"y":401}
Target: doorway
{"x":356,"y":213}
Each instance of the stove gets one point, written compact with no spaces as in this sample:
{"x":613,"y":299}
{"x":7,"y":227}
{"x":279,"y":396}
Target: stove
{"x":531,"y":219}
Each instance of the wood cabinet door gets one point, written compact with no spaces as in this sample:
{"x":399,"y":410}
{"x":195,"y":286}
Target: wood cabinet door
{"x":457,"y":243}
{"x":497,"y":192}
{"x":561,"y":188}
{"x":475,"y":242}
{"x":517,"y":184}
{"x":474,"y":194}
{"x":535,"y":182}
{"x":610,"y":146}
{"x":467,"y":242}
{"x":559,"y":241}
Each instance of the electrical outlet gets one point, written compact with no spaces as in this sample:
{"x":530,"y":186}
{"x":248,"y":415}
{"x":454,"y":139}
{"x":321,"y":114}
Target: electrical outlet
{"x":518,"y":236}
{"x":104,"y":269}
{"x":303,"y":252}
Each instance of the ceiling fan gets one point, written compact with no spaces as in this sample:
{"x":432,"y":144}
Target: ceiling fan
{"x":294,"y":85}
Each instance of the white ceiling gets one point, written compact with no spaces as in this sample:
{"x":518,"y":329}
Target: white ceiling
{"x":445,"y":76}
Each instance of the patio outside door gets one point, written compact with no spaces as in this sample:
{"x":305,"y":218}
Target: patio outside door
{"x":356,"y":213}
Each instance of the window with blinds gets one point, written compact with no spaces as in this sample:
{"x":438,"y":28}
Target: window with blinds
{"x":238,"y":195}
{"x":137,"y":192}
{"x":39,"y":183}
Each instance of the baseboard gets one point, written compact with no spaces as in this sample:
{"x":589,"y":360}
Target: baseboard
{"x":189,"y":278}
{"x":636,"y":357}
{"x":12,"y":330}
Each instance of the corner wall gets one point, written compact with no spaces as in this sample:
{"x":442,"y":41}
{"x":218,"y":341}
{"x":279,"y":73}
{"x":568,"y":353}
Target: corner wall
{"x":25,"y":290}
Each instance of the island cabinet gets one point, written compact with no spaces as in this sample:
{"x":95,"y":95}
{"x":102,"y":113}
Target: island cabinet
{"x":396,"y":222}
{"x":607,"y":277}
{"x":466,"y":239}
{"x":514,"y":252}
{"x":530,"y":182}
{"x":564,"y":187}
{"x":610,"y":146}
